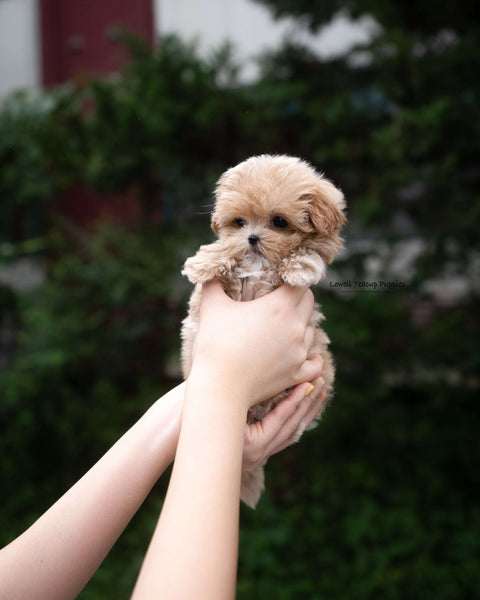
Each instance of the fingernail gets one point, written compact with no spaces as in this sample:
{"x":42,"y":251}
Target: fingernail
{"x":310,"y":390}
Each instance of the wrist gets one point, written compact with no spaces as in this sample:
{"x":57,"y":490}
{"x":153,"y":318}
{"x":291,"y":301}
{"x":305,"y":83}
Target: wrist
{"x":161,"y":425}
{"x":220,"y":395}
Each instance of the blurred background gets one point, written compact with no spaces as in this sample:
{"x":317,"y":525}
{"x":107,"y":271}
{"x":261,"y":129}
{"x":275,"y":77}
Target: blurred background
{"x":116,"y":119}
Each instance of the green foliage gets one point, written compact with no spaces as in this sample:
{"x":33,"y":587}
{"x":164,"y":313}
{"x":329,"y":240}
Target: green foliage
{"x":163,"y":130}
{"x":92,"y":352}
{"x":162,"y":124}
{"x":23,"y":184}
{"x":380,"y":500}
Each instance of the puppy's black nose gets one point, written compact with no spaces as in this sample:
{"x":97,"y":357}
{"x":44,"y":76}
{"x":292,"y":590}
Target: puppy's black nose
{"x":253,"y":239}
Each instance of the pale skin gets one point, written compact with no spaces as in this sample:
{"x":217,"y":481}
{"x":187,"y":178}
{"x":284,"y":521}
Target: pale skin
{"x":197,"y":531}
{"x":193,"y":552}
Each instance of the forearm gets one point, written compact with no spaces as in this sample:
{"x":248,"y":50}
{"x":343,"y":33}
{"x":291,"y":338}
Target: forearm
{"x":62,"y":550}
{"x":239,"y":359}
{"x":193,"y":553}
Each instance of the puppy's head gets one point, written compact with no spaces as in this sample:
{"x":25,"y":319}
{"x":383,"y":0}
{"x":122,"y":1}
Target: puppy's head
{"x":271,"y":205}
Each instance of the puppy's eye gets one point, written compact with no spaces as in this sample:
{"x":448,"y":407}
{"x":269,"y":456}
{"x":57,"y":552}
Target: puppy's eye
{"x":279,"y":222}
{"x":239,"y":222}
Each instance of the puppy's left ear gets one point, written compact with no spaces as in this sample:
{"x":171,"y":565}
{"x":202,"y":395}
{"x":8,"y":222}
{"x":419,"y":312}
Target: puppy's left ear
{"x":326,"y":208}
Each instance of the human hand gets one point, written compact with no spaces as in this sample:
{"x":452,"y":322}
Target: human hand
{"x":283,"y":426}
{"x":256,"y":348}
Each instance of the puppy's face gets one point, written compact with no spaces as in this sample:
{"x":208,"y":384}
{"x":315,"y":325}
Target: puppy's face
{"x":270,"y":205}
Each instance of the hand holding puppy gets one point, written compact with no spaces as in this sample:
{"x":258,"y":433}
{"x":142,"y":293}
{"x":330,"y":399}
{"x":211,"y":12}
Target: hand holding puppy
{"x":258,"y":348}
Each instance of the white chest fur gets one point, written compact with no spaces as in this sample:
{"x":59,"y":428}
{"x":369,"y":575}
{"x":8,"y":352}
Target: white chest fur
{"x":256,"y":276}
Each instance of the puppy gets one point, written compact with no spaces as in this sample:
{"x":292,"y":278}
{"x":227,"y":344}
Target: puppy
{"x":277,"y":221}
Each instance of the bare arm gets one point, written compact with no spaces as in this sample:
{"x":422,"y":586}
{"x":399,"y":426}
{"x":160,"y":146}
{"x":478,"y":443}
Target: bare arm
{"x":193,"y":553}
{"x":56,"y":557}
{"x":59,"y":553}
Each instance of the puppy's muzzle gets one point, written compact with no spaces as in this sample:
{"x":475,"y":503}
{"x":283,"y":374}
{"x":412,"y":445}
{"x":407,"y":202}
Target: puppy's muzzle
{"x":253,"y":239}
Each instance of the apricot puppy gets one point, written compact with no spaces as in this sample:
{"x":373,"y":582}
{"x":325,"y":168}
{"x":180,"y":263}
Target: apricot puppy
{"x":277,"y":221}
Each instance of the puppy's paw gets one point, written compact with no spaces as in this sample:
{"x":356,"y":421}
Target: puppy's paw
{"x":302,"y":270}
{"x":207,"y":264}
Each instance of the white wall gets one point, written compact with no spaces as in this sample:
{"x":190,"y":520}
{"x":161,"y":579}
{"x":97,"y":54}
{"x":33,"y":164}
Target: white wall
{"x":19,"y":45}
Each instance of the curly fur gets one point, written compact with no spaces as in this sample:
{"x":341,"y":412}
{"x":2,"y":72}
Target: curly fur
{"x":277,"y":221}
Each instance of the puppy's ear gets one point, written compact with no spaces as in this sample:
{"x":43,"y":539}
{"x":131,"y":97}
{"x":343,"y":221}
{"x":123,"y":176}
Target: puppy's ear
{"x":326,"y":208}
{"x":326,"y":217}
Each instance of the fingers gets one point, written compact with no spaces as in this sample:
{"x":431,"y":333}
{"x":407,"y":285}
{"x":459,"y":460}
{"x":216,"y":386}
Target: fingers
{"x":263,"y":438}
{"x":313,"y":409}
{"x":311,"y":369}
{"x":301,"y":297}
{"x":304,"y":300}
{"x":214,"y":289}
{"x":295,"y":404}
{"x":284,"y":425}
{"x":319,"y":398}
{"x":308,"y":341}
{"x":287,"y":435}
